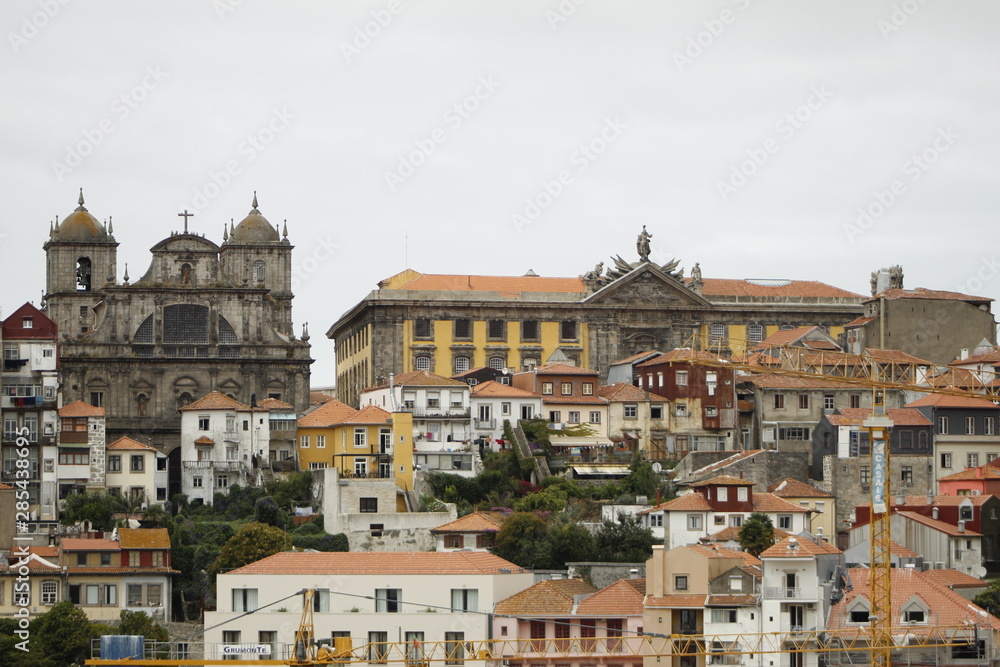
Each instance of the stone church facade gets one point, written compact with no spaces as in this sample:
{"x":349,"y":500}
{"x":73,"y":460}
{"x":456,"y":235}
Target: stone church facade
{"x":449,"y":323}
{"x":203,"y":317}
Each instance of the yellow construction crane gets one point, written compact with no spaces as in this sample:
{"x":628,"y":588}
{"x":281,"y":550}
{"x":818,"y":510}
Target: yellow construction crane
{"x":879,"y":372}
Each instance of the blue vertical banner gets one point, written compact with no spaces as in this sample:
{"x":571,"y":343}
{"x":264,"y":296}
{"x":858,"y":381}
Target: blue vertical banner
{"x":879,"y":473}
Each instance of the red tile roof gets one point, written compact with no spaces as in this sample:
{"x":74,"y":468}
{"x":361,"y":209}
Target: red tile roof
{"x":723,"y":480}
{"x":732,"y":533}
{"x":216,"y":400}
{"x":897,"y":549}
{"x":799,"y":547}
{"x":940,"y":526}
{"x":319,"y":397}
{"x":793,"y":488}
{"x":783,"y":289}
{"x":947,"y":401}
{"x":923,"y":293}
{"x":130,"y":444}
{"x":899,"y":417}
{"x":144,"y":538}
{"x":980,"y":472}
{"x":772,"y":381}
{"x":687,"y":502}
{"x":897,"y":356}
{"x":563,"y":369}
{"x":635,"y":357}
{"x":947,"y":608}
{"x":859,"y":321}
{"x":204,"y":440}
{"x":512,"y":285}
{"x":545,"y":598}
{"x":622,"y":392}
{"x":622,"y":598}
{"x":84,"y":544}
{"x":378,"y":562}
{"x":370,"y":414}
{"x":477,"y":522}
{"x":679,"y":355}
{"x":494,"y":389}
{"x":714,"y":551}
{"x":419,"y":379}
{"x":275,"y":404}
{"x":676,"y":601}
{"x":732,"y":600}
{"x":574,"y":400}
{"x":954,"y":579}
{"x":785,"y":336}
{"x":770,"y":503}
{"x":728,"y":461}
{"x":80,"y":409}
{"x":327,"y":414}
{"x":989,"y":358}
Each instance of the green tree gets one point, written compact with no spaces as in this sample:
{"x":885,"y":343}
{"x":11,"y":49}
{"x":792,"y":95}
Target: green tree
{"x":524,"y":540}
{"x":97,"y":508}
{"x":265,"y":510}
{"x":551,"y":500}
{"x":154,"y":516}
{"x":571,"y":542}
{"x":624,"y":540}
{"x":61,"y":636}
{"x":756,"y":534}
{"x":641,"y":480}
{"x":251,"y":542}
{"x":140,"y":623}
{"x":990,"y":598}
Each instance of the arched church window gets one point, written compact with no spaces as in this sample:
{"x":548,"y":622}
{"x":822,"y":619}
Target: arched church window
{"x":83,"y":274}
{"x":186,"y":324}
{"x":259,"y":271}
{"x":144,"y":334}
{"x":184,"y":399}
{"x":227,"y":335}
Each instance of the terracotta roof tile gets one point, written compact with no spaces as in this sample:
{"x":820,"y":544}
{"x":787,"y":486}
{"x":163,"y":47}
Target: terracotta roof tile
{"x":370,"y":414}
{"x":940,"y":500}
{"x":5,"y":487}
{"x":960,"y":377}
{"x":680,"y":355}
{"x":378,"y":562}
{"x":924,"y":293}
{"x":676,"y":601}
{"x":989,"y":358}
{"x":84,"y":544}
{"x":215,"y":400}
{"x":723,"y":480}
{"x":204,"y":440}
{"x":275,"y":404}
{"x":144,"y":538}
{"x":574,"y":400}
{"x":563,"y":369}
{"x":799,"y":547}
{"x":732,"y":600}
{"x":785,"y":336}
{"x":636,"y":357}
{"x":768,"y":502}
{"x":511,"y":285}
{"x":940,"y":526}
{"x":713,"y":551}
{"x":319,"y":397}
{"x":947,"y":608}
{"x":621,"y":392}
{"x":980,"y":472}
{"x":728,"y":461}
{"x":477,"y":522}
{"x":793,"y":488}
{"x":897,"y":549}
{"x":954,"y":579}
{"x":732,"y":533}
{"x":947,"y":401}
{"x":547,"y":597}
{"x":327,"y":414}
{"x":794,"y":288}
{"x":419,"y":379}
{"x":899,"y":417}
{"x":494,"y":389}
{"x":622,"y":598}
{"x":129,"y":444}
{"x":772,"y":381}
{"x":897,"y":356}
{"x":687,"y":502}
{"x":858,"y":321}
{"x":80,"y":409}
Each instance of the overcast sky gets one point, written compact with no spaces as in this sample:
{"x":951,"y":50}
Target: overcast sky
{"x":495,"y":137}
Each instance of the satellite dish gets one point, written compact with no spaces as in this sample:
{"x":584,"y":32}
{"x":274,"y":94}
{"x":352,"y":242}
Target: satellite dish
{"x":657,"y":467}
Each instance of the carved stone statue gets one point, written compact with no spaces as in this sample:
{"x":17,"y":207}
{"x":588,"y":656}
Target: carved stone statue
{"x":874,"y":283}
{"x":696,"y":272}
{"x":593,"y":279}
{"x":896,"y":277}
{"x":642,"y":244}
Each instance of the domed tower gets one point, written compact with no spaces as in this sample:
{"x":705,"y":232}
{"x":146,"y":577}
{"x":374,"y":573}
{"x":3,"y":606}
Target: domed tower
{"x":253,"y":253}
{"x":81,"y":258}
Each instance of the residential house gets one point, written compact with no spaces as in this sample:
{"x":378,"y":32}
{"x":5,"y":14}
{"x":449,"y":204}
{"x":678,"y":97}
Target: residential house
{"x":797,"y":582}
{"x":860,"y":555}
{"x":965,"y":585}
{"x":370,"y":598}
{"x":941,"y":544}
{"x":223,"y":442}
{"x":494,"y":403}
{"x":441,"y":418}
{"x":624,"y":370}
{"x":131,"y":469}
{"x":79,"y":462}
{"x":810,"y":337}
{"x":638,"y":419}
{"x":475,"y":376}
{"x":965,"y":431}
{"x":715,"y":504}
{"x":28,"y":391}
{"x":927,"y":323}
{"x":702,"y":400}
{"x":282,"y":424}
{"x":476,"y":531}
{"x":568,"y":620}
{"x":569,"y":396}
{"x":822,"y":520}
{"x":919,"y":604}
{"x":981,"y":480}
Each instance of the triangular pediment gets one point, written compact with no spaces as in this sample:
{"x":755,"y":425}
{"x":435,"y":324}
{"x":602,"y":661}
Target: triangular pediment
{"x":644,"y":285}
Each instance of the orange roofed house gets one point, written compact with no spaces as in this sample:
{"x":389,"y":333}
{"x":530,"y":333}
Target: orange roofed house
{"x":449,"y":323}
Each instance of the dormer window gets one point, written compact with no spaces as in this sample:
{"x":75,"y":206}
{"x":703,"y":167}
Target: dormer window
{"x":859,"y":611}
{"x":915,"y":611}
{"x":27,"y":323}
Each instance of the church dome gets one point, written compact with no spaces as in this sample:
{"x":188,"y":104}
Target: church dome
{"x":254,"y":228}
{"x":80,"y":225}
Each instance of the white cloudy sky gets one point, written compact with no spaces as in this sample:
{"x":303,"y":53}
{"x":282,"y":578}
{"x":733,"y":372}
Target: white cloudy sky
{"x":835,"y":99}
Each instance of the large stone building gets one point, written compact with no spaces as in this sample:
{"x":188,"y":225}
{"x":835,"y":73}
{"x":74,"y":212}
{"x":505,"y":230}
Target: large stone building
{"x":203,"y":317}
{"x":448,"y":324}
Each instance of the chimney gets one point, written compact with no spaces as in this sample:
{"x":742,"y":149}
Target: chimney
{"x":961,"y":526}
{"x":934,"y":513}
{"x":930,"y":499}
{"x":633,"y":573}
{"x":963,"y":353}
{"x":793,"y":543}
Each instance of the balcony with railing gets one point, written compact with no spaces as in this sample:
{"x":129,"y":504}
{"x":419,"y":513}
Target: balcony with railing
{"x":788,"y":593}
{"x":217,"y":466}
{"x":486,"y":423}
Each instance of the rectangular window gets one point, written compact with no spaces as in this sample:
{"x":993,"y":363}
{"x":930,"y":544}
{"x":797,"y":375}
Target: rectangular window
{"x":369,"y":505}
{"x":588,"y":632}
{"x":631,"y":410}
{"x":360,"y":437}
{"x":574,"y":417}
{"x":196,"y":482}
{"x":785,"y":521}
{"x":855,"y":400}
{"x":114,"y":463}
{"x":496,"y":330}
{"x":681,"y":378}
{"x":505,"y":409}
{"x":614,"y":642}
{"x":529,"y":330}
{"x":694,"y":522}
{"x":595,"y":417}
{"x":906,"y":439}
{"x":970,"y":426}
{"x":735,"y":584}
{"x":453,"y":541}
{"x":566,"y":388}
{"x":304,"y":441}
{"x":656,"y":412}
{"x":866,"y":476}
{"x":110,"y":596}
{"x":588,"y":388}
{"x":914,"y":616}
{"x":943,"y":425}
{"x":972,"y":460}
{"x":742,"y":494}
{"x":378,"y":649}
{"x":463,"y":329}
{"x":681,"y":409}
{"x":464,"y":599}
{"x":547,"y":388}
{"x":388,"y":600}
{"x":723,"y":616}
{"x":133,"y":559}
{"x":138,"y":463}
{"x":567,"y":331}
{"x":680,"y":582}
{"x":105,"y":559}
{"x":722,"y":494}
{"x":134,"y":594}
{"x":828,"y":402}
{"x":717,"y":332}
{"x":779,"y":401}
{"x":711,"y":411}
{"x":906,"y":474}
{"x":946,"y":459}
{"x":423,"y":329}
{"x":803,"y":401}
{"x":454,"y":648}
{"x":989,"y":427}
{"x":320,"y":441}
{"x":50,"y":593}
{"x":203,"y":422}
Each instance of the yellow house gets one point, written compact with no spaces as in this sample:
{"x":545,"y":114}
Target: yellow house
{"x":131,"y":469}
{"x":366,"y":443}
{"x":823,"y":520}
